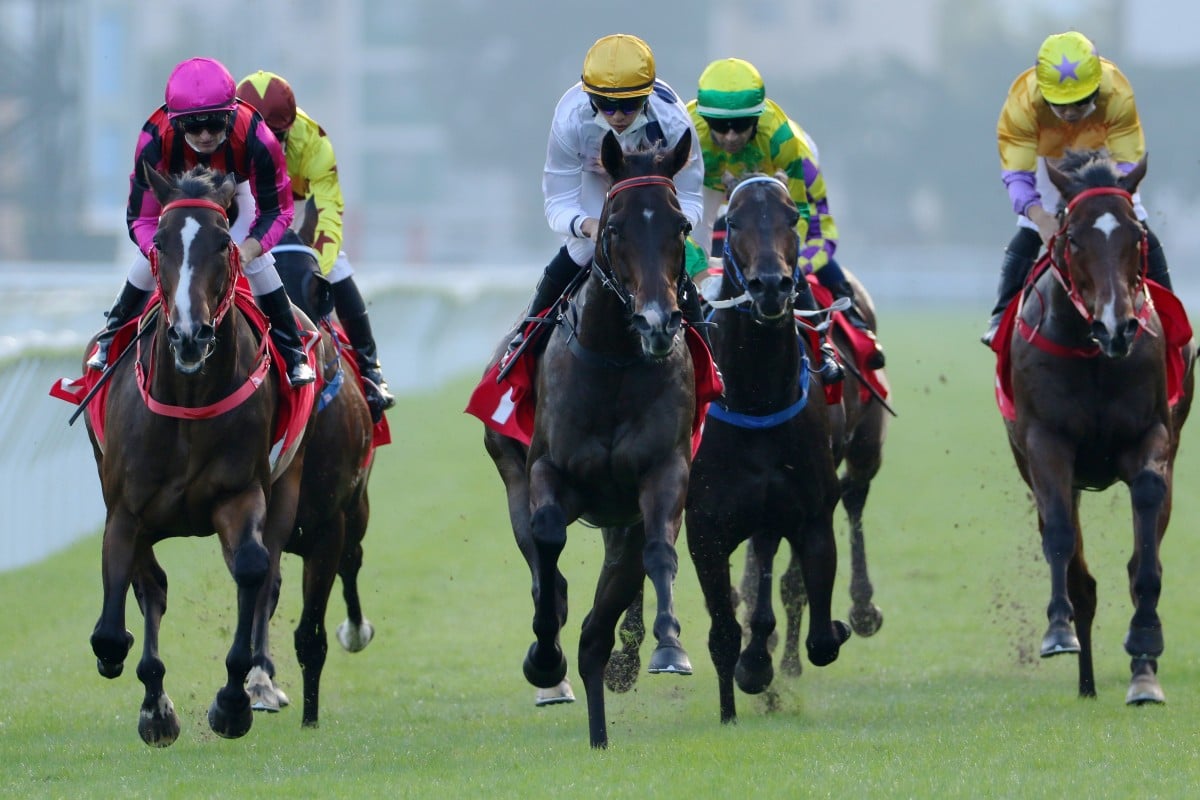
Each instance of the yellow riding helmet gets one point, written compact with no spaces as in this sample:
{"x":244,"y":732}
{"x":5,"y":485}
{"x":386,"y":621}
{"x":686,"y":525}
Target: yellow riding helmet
{"x":1068,"y":69}
{"x":617,"y":66}
{"x":730,"y":88}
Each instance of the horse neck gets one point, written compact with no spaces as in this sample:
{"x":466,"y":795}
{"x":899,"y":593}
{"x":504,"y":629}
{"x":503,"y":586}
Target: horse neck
{"x":760,"y":364}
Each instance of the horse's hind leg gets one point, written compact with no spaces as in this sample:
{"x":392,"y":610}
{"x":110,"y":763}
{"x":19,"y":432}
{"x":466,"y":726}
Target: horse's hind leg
{"x":312,"y":645}
{"x":865,"y":617}
{"x":158,"y":725}
{"x":620,"y":674}
{"x":795,"y":598}
{"x":621,"y":580}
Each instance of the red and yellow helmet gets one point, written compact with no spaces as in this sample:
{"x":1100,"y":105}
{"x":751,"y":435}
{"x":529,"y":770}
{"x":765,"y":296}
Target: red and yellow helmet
{"x":271,"y":96}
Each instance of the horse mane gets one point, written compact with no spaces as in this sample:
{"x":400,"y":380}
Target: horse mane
{"x":1088,"y":169}
{"x":199,"y":181}
{"x":645,"y":159}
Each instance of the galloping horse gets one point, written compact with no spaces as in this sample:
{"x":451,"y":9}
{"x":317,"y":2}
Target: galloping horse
{"x":612,"y":438}
{"x":333,"y":509}
{"x":765,"y":470}
{"x":186,"y":451}
{"x":1094,"y":403}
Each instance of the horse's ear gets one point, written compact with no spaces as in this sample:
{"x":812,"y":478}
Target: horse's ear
{"x":683,"y":151}
{"x":1057,"y":177}
{"x":611,"y":155}
{"x":161,"y":187}
{"x":1130,"y":181}
{"x":782,"y":177}
{"x":226,"y":191}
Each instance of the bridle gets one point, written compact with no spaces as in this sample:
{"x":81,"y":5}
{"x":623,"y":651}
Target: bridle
{"x":235,"y":259}
{"x":735,"y":271}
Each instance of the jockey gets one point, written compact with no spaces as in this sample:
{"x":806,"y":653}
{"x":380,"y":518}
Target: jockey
{"x":618,"y":92}
{"x":203,"y":123}
{"x":313,"y":171}
{"x":1071,"y":98}
{"x":743,"y":131}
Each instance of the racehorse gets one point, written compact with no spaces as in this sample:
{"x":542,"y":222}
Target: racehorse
{"x":612,"y":432}
{"x":333,"y":509}
{"x":765,"y":470}
{"x":186,"y":451}
{"x":1093,"y":404}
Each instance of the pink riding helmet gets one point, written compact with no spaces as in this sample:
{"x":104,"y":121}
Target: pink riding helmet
{"x":199,"y":85}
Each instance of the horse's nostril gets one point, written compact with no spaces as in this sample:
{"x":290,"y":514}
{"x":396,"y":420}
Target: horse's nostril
{"x":173,"y":335}
{"x":206,"y":333}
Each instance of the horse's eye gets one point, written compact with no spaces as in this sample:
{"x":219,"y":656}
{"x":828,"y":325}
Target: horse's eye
{"x":685,"y":228}
{"x":611,"y":230}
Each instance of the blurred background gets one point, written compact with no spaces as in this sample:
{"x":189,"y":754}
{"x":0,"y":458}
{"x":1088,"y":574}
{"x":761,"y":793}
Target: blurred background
{"x":439,"y":111}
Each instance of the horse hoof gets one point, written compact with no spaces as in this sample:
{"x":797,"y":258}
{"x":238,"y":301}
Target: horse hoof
{"x":670,"y":658}
{"x":109,"y":671}
{"x":555,"y":695}
{"x":542,"y":677}
{"x":753,"y":678}
{"x":1144,"y":642}
{"x":264,"y":695}
{"x":355,"y":637}
{"x":159,"y":726}
{"x":230,"y":721}
{"x":110,"y":654}
{"x":1059,"y":639}
{"x":824,"y":652}
{"x":1144,"y":689}
{"x":621,"y":671}
{"x":866,"y":620}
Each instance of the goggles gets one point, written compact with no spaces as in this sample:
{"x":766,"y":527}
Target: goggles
{"x":213,"y":122}
{"x":727,"y":124}
{"x":1091,"y":98}
{"x":609,"y":106}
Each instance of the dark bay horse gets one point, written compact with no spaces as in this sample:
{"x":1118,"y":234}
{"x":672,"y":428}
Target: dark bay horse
{"x":765,"y":471}
{"x":186,"y":451}
{"x":1092,"y":407}
{"x":612,"y":433}
{"x":333,"y":508}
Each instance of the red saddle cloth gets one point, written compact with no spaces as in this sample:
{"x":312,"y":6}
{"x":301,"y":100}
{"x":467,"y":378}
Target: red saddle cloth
{"x":861,"y":343}
{"x":1177,"y":330}
{"x":295,"y":404}
{"x":508,"y":406}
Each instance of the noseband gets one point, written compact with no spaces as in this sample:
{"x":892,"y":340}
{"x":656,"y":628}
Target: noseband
{"x":605,"y":271}
{"x":1062,"y":272}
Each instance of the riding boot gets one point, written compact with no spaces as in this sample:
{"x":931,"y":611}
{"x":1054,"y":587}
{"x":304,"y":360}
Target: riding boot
{"x":693,"y":313}
{"x":1018,"y":260}
{"x":1156,"y":262}
{"x":854,"y":314}
{"x":554,"y":281}
{"x":286,"y":335}
{"x":830,"y":368}
{"x":128,"y":304}
{"x":352,"y":312}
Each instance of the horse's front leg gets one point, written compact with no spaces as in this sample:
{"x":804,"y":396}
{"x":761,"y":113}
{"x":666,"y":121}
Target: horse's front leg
{"x":239,"y":522}
{"x":545,"y":664}
{"x":661,"y":502}
{"x":158,"y":723}
{"x":754,"y":671}
{"x":110,"y":640}
{"x":1051,"y":476}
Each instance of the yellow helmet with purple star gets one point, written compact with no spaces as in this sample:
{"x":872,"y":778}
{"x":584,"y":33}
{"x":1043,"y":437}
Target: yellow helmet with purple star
{"x":1068,"y":69}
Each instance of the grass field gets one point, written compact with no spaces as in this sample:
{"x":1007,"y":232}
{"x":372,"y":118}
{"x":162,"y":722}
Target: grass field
{"x":948,"y":700}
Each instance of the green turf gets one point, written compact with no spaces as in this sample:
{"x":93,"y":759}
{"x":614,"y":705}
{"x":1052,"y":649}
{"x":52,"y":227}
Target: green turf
{"x":948,"y":700}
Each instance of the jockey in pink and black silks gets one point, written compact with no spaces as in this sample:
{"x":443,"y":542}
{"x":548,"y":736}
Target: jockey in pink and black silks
{"x":1071,"y":98}
{"x":203,"y":123}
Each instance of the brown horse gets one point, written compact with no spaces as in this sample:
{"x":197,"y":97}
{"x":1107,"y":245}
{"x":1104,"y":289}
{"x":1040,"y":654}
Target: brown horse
{"x":612,"y":431}
{"x":333,"y":509}
{"x":765,"y":471}
{"x":170,"y":465}
{"x":1090,"y":389}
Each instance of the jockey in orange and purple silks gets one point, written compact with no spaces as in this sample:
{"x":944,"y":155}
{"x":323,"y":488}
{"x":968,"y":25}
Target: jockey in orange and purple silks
{"x":202,"y":123}
{"x":1070,"y":99}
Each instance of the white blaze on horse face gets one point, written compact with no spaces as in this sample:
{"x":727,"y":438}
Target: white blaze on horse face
{"x":183,"y":303}
{"x":649,"y":215}
{"x":1106,"y":223}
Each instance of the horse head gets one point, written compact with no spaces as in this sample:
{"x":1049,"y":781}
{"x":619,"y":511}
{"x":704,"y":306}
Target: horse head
{"x":194,"y":261}
{"x":1100,"y":250}
{"x":299,"y":268}
{"x":642,"y":234}
{"x":762,"y":247}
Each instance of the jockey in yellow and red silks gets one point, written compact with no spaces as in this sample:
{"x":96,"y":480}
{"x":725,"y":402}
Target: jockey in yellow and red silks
{"x":1070,"y":99}
{"x":312,"y":168}
{"x":742,"y":131}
